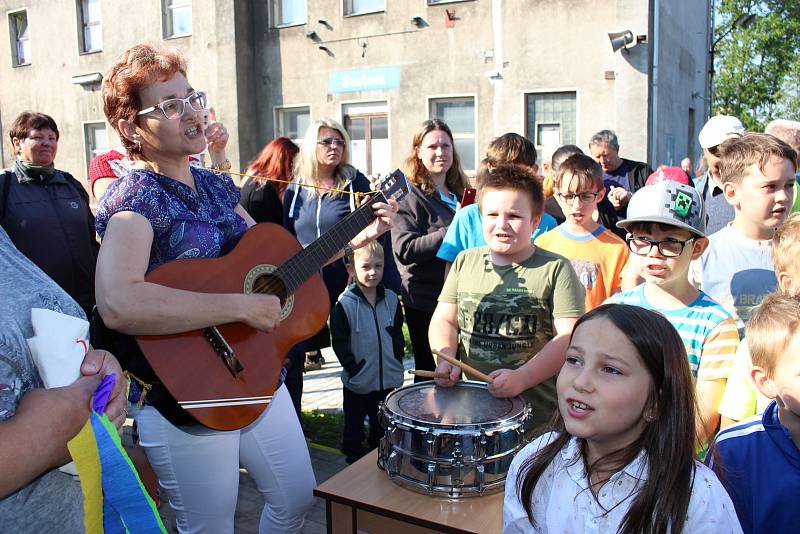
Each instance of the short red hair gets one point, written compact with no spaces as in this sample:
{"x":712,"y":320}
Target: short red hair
{"x":135,"y":69}
{"x":275,"y":161}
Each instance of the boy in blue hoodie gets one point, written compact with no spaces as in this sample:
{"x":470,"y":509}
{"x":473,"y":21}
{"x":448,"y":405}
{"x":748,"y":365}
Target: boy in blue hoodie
{"x":367,"y":334}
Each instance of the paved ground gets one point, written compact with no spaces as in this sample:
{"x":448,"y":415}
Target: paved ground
{"x":322,"y":390}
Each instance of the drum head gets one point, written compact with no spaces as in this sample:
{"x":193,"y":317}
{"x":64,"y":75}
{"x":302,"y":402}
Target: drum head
{"x":466,"y":403}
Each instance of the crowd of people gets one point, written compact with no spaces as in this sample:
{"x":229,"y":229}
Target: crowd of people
{"x":652,"y":319}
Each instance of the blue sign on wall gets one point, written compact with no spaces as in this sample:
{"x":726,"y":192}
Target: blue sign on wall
{"x":347,"y":81}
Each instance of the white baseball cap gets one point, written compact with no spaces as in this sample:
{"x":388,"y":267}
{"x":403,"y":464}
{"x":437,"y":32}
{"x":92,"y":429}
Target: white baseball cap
{"x":718,"y":129}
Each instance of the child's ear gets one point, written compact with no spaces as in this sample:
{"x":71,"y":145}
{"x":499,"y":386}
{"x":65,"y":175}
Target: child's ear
{"x":601,"y":193}
{"x":535,"y":168}
{"x":350,"y":269}
{"x":763,"y":382}
{"x":699,"y":245}
{"x":731,"y":192}
{"x":786,"y":284}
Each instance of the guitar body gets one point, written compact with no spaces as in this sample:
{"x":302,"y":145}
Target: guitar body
{"x":191,"y":368}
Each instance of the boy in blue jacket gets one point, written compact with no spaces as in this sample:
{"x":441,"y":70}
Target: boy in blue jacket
{"x":758,"y":460}
{"x":367,"y":334}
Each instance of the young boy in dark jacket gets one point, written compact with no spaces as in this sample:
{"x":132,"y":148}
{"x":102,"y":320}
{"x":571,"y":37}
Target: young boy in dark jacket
{"x":367,"y":333}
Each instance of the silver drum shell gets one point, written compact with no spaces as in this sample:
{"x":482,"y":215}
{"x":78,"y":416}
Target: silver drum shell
{"x":452,"y":460}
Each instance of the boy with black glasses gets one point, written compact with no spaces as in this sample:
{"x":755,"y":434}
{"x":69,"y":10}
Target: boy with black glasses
{"x":667,"y":230}
{"x":596,"y":254}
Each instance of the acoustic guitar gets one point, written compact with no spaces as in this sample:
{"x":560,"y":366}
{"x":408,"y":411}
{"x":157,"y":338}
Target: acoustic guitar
{"x":224,"y":376}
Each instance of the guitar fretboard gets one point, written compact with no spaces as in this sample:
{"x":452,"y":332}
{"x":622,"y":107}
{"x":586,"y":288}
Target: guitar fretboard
{"x":311,"y":259}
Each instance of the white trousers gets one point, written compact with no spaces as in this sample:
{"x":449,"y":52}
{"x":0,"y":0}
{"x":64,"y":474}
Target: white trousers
{"x":200,"y":473}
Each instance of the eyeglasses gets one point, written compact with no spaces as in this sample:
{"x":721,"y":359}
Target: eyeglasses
{"x":332,"y":141}
{"x":584,"y":197}
{"x":669,"y":248}
{"x":174,"y":108}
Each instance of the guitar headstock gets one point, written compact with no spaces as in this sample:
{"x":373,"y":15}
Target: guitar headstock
{"x":393,"y":186}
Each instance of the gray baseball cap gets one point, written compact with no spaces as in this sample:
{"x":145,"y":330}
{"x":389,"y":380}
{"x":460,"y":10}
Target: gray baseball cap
{"x":669,"y":203}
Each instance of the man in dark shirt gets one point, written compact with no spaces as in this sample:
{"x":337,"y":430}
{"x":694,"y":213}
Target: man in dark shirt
{"x":621,"y":177}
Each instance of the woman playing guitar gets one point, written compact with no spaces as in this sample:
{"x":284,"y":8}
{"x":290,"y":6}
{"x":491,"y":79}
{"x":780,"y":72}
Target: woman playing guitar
{"x":165,"y":210}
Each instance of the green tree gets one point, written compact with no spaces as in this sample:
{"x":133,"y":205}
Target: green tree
{"x":757,"y":69}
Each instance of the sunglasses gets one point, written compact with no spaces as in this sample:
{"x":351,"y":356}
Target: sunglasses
{"x":332,"y":141}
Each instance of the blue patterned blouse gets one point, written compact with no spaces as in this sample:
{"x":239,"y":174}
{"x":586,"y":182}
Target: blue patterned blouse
{"x":186,"y":224}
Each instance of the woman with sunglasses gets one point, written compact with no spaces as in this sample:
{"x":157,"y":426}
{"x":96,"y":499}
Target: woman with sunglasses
{"x":165,"y":209}
{"x":324,"y":192}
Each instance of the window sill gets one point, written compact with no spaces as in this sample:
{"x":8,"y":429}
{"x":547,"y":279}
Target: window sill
{"x":16,"y":66}
{"x":90,"y":52}
{"x":181,"y":36}
{"x":362,"y":13}
{"x":290,"y":25}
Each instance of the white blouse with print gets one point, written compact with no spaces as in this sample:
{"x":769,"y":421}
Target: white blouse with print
{"x":564,"y":504}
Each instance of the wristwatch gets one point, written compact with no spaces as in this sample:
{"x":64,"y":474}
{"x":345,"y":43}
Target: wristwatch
{"x":225,"y":166}
{"x":348,"y":251}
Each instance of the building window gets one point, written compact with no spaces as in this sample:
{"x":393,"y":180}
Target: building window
{"x":177,"y":18}
{"x":359,"y":7}
{"x":91,"y":25}
{"x":95,"y":141}
{"x":289,"y":12}
{"x":292,"y":122}
{"x":20,"y":38}
{"x":367,"y":124}
{"x":459,"y":114}
{"x":550,"y":119}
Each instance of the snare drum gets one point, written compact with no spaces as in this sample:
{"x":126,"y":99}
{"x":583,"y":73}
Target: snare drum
{"x":451,"y":442}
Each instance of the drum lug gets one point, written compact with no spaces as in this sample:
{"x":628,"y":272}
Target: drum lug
{"x":430,"y":442}
{"x":482,"y":443}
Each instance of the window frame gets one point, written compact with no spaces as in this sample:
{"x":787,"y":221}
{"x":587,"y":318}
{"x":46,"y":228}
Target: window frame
{"x":167,"y":7}
{"x":275,"y":19}
{"x":433,"y":99}
{"x":346,"y":14}
{"x":276,"y":110}
{"x":380,"y":109}
{"x":524,"y":127}
{"x":13,"y":34}
{"x":82,"y":26}
{"x":88,"y":150}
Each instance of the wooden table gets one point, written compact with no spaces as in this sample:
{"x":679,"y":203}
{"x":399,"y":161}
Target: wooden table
{"x":361,"y":497}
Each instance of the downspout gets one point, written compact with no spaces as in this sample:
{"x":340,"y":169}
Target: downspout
{"x":652,"y":141}
{"x":497,"y":82}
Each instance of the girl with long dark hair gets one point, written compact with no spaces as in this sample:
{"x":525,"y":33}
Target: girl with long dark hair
{"x":621,"y":456}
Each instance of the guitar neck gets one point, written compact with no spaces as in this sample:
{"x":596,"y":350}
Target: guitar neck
{"x":311,"y":259}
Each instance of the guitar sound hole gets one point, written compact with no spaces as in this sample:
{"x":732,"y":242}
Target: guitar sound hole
{"x":272,"y":285}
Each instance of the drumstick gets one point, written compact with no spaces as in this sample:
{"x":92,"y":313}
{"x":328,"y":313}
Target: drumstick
{"x":465,"y":367}
{"x":428,"y":374}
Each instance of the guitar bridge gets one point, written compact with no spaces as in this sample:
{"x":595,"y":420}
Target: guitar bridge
{"x":223,"y":350}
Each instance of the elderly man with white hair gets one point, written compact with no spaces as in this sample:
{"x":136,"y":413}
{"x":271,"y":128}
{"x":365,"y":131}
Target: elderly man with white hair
{"x":621,"y":177}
